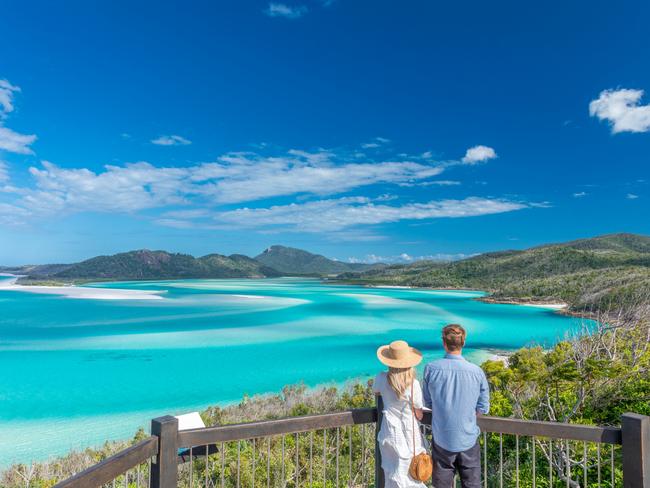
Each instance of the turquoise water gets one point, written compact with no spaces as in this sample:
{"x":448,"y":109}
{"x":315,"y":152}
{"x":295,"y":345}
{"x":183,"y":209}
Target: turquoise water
{"x":76,"y":372}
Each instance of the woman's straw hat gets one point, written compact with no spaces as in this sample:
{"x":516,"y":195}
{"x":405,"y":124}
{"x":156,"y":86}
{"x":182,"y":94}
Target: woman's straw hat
{"x":398,"y":354}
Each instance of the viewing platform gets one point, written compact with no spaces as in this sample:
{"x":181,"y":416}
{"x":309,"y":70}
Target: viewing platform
{"x":338,"y":450}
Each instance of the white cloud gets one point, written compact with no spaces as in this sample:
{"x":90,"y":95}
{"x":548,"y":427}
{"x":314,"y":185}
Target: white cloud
{"x":12,"y":215}
{"x":478,"y":154}
{"x":247,"y":177}
{"x":4,"y":172}
{"x":342,"y":213}
{"x":7,"y":91}
{"x":631,"y":196}
{"x":375,"y":143}
{"x":432,"y":183}
{"x":405,"y":258}
{"x":188,"y":195}
{"x":580,"y":194}
{"x":14,"y":142}
{"x":10,"y":140}
{"x":233,"y":178}
{"x":286,"y":11}
{"x":130,"y":188}
{"x":621,"y":108}
{"x":172,"y":140}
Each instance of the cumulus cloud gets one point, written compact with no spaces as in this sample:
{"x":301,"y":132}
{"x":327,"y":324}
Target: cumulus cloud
{"x":622,"y":109}
{"x":631,"y":196}
{"x":233,"y":178}
{"x":10,"y":140}
{"x":339,"y":214}
{"x":202,"y":195}
{"x":580,"y":194}
{"x":478,"y":154}
{"x":7,"y":91}
{"x":14,"y":142}
{"x":245,"y":177}
{"x":173,"y":140}
{"x":286,"y":11}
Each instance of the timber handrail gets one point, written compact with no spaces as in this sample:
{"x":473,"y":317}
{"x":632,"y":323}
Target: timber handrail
{"x":112,"y":467}
{"x":552,"y":430}
{"x":163,"y":447}
{"x":291,"y":425}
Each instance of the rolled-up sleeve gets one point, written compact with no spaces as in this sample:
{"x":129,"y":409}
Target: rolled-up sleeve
{"x":426,"y":394}
{"x":483,"y":404}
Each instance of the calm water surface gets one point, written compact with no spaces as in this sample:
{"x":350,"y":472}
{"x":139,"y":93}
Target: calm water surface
{"x":75,"y":372}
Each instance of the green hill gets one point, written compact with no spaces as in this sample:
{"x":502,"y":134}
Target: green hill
{"x":152,"y":265}
{"x":294,"y":261}
{"x":583,"y":273}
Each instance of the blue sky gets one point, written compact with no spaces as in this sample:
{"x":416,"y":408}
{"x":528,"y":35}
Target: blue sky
{"x":356,"y":129}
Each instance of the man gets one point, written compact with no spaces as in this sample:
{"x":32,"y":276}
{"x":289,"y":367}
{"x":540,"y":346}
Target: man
{"x":456,"y":391}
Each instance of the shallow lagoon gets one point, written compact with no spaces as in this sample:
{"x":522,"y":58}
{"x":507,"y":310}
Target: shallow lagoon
{"x":76,"y":371}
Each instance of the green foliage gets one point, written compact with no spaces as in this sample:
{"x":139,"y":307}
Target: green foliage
{"x":151,"y":265}
{"x":592,"y":379}
{"x":603,"y":272}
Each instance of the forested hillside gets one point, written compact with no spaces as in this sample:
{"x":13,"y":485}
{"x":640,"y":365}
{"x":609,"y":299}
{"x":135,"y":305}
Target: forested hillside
{"x":582,"y":273}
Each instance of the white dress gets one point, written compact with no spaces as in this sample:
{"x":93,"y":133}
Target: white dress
{"x":396,"y":433}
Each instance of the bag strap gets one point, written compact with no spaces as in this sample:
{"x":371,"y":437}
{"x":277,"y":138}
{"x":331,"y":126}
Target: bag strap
{"x":413,"y":416}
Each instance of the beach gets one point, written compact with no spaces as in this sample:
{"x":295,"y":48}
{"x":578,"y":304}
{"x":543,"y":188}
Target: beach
{"x":82,"y":292}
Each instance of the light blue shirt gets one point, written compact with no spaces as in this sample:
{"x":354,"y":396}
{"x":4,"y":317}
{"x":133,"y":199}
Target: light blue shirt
{"x":454,"y":389}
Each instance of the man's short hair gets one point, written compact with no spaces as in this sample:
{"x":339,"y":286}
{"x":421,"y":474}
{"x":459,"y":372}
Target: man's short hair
{"x":453,"y":335}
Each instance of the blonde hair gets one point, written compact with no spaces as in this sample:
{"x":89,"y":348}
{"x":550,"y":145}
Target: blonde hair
{"x":400,"y":379}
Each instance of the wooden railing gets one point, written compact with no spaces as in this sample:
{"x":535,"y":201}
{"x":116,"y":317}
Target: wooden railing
{"x":107,"y":470}
{"x":338,"y":449}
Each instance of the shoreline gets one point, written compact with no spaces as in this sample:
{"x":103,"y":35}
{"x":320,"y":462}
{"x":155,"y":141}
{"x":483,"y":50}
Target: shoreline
{"x":556,"y":306}
{"x":78,"y":292}
{"x":548,"y":304}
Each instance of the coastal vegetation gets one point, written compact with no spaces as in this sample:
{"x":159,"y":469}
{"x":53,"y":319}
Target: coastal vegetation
{"x":588,"y":274}
{"x":149,"y":265}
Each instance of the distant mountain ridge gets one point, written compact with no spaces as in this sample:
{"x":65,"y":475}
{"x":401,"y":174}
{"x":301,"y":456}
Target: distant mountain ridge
{"x":294,"y":261}
{"x":150,"y":265}
{"x":582,"y":273}
{"x":585,"y":273}
{"x":145,"y":264}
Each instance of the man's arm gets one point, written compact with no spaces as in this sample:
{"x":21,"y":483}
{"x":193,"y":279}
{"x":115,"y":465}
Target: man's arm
{"x":426,"y":394}
{"x":483,"y":403}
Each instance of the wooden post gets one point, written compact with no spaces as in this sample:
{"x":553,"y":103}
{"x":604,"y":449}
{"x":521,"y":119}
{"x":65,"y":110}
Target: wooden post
{"x":164,"y":472}
{"x":379,"y":472}
{"x":635,"y":430}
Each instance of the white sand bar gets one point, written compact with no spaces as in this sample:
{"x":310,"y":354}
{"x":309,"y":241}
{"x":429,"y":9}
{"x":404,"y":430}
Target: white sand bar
{"x":551,"y":306}
{"x":81,"y":292}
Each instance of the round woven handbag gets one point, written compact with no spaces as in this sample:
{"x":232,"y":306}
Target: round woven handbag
{"x":421,"y":467}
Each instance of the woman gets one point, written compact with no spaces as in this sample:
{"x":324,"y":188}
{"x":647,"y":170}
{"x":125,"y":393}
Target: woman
{"x":396,"y":433}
